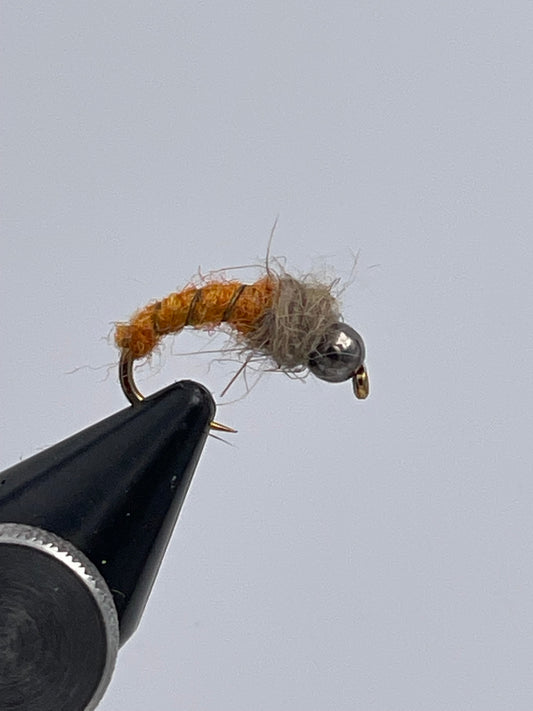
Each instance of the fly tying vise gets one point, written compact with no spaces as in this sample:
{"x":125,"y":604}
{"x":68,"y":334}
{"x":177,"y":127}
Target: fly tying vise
{"x":295,"y":323}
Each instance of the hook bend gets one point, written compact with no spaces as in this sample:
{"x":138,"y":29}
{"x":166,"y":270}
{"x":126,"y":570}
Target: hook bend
{"x":134,"y":395}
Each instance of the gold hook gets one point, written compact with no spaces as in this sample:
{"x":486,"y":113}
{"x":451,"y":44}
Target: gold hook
{"x":131,"y":391}
{"x":361,"y":384}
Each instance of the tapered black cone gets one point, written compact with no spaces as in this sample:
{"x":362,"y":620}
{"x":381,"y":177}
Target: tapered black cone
{"x":83,"y":528}
{"x":115,"y":489}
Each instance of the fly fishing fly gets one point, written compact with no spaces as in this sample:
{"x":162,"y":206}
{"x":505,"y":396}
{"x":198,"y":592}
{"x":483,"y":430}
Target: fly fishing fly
{"x":294,"y":324}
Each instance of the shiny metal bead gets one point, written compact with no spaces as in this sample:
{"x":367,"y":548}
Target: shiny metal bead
{"x":339,"y":355}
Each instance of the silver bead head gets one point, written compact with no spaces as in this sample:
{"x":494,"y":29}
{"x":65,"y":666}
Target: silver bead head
{"x":339,"y":355}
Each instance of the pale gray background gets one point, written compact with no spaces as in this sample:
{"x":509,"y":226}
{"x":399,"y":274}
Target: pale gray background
{"x":344,"y":555}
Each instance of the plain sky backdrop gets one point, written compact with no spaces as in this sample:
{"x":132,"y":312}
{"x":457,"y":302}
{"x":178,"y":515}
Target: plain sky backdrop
{"x":341,"y":555}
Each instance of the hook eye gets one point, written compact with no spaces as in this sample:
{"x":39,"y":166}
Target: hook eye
{"x":361,"y":384}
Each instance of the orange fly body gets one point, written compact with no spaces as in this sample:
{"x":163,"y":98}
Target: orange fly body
{"x":239,"y":305}
{"x":294,"y":324}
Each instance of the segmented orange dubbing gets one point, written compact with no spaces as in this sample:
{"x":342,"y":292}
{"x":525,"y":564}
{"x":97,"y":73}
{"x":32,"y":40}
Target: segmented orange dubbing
{"x":240,"y":305}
